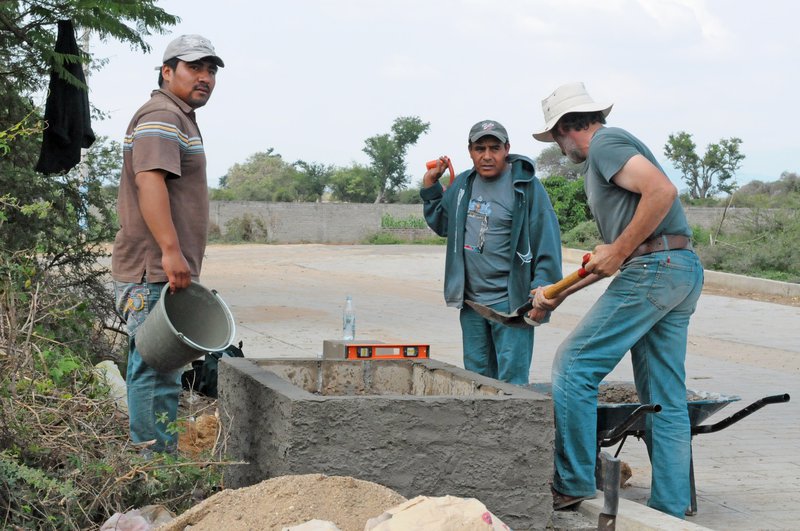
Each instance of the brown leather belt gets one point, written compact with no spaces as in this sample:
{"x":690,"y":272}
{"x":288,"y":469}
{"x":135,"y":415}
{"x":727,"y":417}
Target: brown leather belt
{"x":665,"y":242}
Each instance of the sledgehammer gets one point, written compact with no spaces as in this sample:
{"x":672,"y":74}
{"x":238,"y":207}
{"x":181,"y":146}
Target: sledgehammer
{"x":432,"y":164}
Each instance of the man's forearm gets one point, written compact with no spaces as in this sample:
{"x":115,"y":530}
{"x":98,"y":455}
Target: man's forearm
{"x":155,"y":209}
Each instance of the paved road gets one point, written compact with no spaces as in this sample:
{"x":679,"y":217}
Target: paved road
{"x":287,"y":299}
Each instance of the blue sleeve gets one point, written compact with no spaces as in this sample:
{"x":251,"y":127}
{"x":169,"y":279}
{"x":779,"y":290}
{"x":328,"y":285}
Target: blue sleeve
{"x":439,"y":204}
{"x":545,"y":234}
{"x":433,"y":208}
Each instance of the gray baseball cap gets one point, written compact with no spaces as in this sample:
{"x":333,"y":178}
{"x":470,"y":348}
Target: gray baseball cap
{"x":488,"y":128}
{"x":191,"y":48}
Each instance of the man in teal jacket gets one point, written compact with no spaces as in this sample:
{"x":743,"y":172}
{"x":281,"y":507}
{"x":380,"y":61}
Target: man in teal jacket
{"x":503,"y":241}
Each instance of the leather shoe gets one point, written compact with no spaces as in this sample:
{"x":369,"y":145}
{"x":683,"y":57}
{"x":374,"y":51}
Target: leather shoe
{"x":565,"y":501}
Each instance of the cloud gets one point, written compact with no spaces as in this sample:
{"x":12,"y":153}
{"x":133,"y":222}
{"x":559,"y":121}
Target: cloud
{"x":405,"y":68}
{"x":678,"y":16}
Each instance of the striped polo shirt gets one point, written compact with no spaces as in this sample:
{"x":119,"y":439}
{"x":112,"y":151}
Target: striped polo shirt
{"x":163,"y":135}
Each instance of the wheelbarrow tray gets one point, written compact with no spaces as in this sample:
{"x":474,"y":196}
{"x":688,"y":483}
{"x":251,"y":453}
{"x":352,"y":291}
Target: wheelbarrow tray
{"x":611,"y":415}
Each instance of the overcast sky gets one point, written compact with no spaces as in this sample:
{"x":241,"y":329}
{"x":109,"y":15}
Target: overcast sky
{"x":314,"y":78}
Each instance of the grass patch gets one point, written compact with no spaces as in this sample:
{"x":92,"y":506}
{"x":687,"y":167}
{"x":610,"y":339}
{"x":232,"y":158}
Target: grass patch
{"x":411,"y":222}
{"x":403,"y":238}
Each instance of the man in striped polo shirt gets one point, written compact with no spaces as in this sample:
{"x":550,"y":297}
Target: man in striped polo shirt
{"x":163,"y":215}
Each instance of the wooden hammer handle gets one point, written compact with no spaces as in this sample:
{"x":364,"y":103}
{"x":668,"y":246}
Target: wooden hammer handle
{"x":569,"y":280}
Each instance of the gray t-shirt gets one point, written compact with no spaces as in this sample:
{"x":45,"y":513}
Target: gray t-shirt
{"x":613,"y":207}
{"x":487,"y":239}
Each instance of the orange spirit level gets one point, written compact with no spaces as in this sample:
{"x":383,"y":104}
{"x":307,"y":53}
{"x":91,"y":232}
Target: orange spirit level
{"x":358,"y":351}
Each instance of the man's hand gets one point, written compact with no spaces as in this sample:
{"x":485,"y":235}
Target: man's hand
{"x":177,"y":269}
{"x":433,"y":175}
{"x":606,"y":260}
{"x":536,"y":314}
{"x":541,"y":304}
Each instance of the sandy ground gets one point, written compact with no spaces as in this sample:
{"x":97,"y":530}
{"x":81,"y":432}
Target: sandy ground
{"x":287,"y":299}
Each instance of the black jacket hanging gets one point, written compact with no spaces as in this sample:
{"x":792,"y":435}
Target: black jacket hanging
{"x":67,"y":115}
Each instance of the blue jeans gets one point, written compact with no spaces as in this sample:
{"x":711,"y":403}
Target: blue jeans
{"x":152,"y":395}
{"x":646,"y":310}
{"x":496,"y":350}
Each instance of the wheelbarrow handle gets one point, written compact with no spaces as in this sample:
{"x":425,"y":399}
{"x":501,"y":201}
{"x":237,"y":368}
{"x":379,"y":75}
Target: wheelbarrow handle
{"x":742,"y":413}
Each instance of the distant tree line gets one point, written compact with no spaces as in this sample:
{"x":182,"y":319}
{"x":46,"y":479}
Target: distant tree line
{"x":265,"y":176}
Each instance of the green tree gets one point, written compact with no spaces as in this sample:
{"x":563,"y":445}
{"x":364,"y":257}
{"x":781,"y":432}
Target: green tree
{"x":104,"y":163}
{"x":264,"y":176}
{"x":28,"y":34}
{"x":355,"y":184}
{"x":409,"y":196}
{"x":387,"y":154}
{"x":551,"y":162}
{"x":783,"y":193}
{"x":712,"y":173}
{"x":313,"y":179}
{"x":790,"y":182}
{"x":569,"y":201}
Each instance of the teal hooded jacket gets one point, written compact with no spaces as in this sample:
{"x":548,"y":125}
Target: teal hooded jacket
{"x":535,"y":234}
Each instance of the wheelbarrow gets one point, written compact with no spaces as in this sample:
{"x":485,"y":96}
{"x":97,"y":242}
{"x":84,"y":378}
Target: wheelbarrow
{"x":617,"y":421}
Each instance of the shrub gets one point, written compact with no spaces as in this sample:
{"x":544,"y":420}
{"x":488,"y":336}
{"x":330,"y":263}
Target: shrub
{"x":764,"y":245}
{"x":247,"y":228}
{"x":700,"y":235}
{"x":583,"y":236}
{"x":66,"y":461}
{"x":569,"y":201}
{"x":411,"y":222}
{"x":214,"y":232}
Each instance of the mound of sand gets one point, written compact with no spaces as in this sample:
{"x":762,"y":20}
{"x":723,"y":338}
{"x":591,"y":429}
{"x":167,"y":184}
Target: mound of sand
{"x":290,"y":500}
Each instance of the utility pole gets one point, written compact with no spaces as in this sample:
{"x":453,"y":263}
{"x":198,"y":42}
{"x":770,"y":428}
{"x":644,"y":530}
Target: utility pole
{"x":84,"y":166}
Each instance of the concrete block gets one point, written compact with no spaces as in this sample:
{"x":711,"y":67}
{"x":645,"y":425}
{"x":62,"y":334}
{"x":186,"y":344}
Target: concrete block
{"x":416,"y":426}
{"x":632,"y":516}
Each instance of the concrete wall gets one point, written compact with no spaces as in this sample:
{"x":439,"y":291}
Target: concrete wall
{"x":354,"y":222}
{"x":716,"y":279}
{"x":314,"y":222}
{"x":419,"y":427}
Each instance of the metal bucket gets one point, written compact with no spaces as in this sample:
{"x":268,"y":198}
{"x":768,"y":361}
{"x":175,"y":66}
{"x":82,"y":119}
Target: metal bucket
{"x":184,"y":326}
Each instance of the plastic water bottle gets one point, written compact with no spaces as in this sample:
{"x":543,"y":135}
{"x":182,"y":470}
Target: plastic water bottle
{"x":349,"y":320}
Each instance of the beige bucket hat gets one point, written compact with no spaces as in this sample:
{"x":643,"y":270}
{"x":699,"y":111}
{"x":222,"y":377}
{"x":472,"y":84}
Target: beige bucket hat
{"x":571,"y":97}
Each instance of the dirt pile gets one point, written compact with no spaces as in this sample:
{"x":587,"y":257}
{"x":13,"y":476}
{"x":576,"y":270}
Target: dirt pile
{"x":290,"y":500}
{"x":198,"y":435}
{"x":625,"y":393}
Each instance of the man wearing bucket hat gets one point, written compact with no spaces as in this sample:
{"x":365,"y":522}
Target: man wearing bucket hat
{"x":163,"y":213}
{"x":646,"y":308}
{"x":503,"y":240}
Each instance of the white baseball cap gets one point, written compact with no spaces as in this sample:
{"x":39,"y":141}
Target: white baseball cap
{"x":191,"y":48}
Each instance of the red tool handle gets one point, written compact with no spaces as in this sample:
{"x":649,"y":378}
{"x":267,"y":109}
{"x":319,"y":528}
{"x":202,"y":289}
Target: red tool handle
{"x":432,"y":164}
{"x":569,"y":280}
